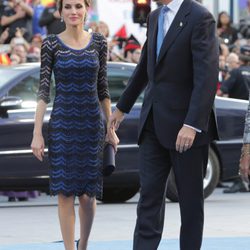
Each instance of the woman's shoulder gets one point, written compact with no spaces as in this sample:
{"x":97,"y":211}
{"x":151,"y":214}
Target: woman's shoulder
{"x":100,"y":40}
{"x":50,"y":39}
{"x":99,"y":37}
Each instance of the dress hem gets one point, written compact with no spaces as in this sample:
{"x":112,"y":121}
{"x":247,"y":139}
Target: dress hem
{"x":91,"y":195}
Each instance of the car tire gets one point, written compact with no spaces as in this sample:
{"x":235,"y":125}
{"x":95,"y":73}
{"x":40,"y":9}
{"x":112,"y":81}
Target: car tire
{"x":118,"y":195}
{"x":211,"y":179}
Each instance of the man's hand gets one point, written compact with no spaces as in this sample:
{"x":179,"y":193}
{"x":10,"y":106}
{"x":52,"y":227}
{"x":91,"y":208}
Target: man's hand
{"x":185,"y":139}
{"x":20,"y":13}
{"x":115,"y":119}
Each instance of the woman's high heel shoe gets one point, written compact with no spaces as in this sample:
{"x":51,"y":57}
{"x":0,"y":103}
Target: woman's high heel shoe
{"x":77,"y":244}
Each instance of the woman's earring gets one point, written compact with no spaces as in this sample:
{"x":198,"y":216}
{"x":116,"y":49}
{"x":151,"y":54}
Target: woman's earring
{"x":61,"y":18}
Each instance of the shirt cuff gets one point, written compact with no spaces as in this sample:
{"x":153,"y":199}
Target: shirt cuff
{"x":196,"y":129}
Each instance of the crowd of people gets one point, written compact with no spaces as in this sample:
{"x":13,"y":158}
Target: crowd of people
{"x":24,"y":24}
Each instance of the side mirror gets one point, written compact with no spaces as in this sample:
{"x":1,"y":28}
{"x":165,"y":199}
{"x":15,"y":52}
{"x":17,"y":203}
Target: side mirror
{"x":10,"y":102}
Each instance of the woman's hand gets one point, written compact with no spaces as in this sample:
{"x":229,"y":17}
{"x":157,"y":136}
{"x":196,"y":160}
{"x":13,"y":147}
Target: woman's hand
{"x":112,"y":138}
{"x":37,"y":146}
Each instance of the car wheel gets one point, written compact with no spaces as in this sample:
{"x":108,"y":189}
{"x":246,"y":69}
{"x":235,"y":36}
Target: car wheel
{"x":212,"y":176}
{"x":118,"y":195}
{"x":210,"y":182}
{"x":171,"y":192}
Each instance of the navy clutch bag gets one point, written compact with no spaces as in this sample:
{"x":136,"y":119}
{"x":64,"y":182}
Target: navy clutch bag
{"x":108,"y":160}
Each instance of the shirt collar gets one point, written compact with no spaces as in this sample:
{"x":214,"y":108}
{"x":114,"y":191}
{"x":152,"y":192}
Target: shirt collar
{"x":175,"y":5}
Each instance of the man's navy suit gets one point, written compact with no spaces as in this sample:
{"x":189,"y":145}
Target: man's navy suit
{"x":180,"y":86}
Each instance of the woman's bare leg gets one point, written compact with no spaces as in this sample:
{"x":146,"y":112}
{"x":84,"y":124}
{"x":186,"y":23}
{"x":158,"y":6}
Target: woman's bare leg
{"x":87,"y":207}
{"x":66,"y":214}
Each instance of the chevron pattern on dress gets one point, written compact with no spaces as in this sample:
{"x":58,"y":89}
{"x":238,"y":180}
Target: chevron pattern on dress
{"x":76,"y":129}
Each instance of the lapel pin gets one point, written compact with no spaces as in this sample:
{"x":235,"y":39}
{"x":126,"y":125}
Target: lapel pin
{"x":181,"y":24}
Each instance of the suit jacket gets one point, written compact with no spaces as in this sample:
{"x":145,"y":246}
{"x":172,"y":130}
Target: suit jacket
{"x":180,"y":84}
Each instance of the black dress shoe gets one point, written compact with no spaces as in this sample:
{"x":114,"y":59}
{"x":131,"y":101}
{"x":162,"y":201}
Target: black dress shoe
{"x":77,"y":244}
{"x":11,"y":199}
{"x":23,"y":199}
{"x":238,"y":186}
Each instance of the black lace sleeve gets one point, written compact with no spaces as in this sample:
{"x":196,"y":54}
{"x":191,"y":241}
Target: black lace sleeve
{"x":102,"y":82}
{"x":45,"y":70}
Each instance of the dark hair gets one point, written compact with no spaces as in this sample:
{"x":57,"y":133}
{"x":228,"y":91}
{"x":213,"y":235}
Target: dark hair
{"x":219,"y":24}
{"x":60,"y":4}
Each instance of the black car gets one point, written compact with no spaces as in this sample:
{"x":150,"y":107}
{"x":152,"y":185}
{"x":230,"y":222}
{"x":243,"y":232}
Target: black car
{"x":19,"y":170}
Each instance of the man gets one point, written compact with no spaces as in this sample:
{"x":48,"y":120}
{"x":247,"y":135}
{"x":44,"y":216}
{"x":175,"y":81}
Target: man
{"x":179,"y":72}
{"x":51,"y":19}
{"x":132,"y":50}
{"x":237,"y":83}
{"x":232,"y":61}
{"x":17,"y":15}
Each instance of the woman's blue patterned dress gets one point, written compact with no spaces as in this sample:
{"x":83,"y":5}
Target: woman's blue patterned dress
{"x":76,"y":130}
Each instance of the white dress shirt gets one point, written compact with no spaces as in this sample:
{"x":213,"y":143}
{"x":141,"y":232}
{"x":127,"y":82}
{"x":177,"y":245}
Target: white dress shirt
{"x":173,"y":7}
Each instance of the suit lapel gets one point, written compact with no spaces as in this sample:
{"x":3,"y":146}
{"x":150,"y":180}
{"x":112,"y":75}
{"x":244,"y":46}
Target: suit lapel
{"x":153,"y":36}
{"x":175,"y":28}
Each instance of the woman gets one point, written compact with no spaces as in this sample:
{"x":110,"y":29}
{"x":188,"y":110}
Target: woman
{"x":226,"y":32}
{"x":245,"y":152}
{"x":76,"y":130}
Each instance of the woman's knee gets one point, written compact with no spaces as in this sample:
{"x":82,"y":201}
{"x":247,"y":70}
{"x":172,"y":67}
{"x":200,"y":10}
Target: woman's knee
{"x":87,"y":201}
{"x":62,"y":199}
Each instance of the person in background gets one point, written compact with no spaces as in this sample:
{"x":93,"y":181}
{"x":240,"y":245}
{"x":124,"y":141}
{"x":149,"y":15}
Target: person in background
{"x":51,"y":19}
{"x":19,"y":39}
{"x":225,"y":66}
{"x":38,"y":9}
{"x":3,"y":4}
{"x":17,"y":15}
{"x":237,"y":84}
{"x":225,"y":30}
{"x":33,"y":54}
{"x":222,"y":68}
{"x":36,"y":41}
{"x":245,"y":13}
{"x":132,"y":50}
{"x":232,"y":61}
{"x":103,"y":28}
{"x":4,"y":36}
{"x":20,"y":196}
{"x":20,"y":51}
{"x":92,"y":26}
{"x":15,"y":59}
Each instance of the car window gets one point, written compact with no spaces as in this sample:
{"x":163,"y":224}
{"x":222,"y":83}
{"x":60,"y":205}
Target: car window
{"x":117,"y":84}
{"x":27,"y":90}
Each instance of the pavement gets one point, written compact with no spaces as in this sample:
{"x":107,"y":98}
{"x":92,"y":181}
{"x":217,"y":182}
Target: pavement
{"x":34,"y":225}
{"x":242,"y":243}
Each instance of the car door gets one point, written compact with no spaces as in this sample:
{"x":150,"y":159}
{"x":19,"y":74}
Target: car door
{"x":17,"y":162}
